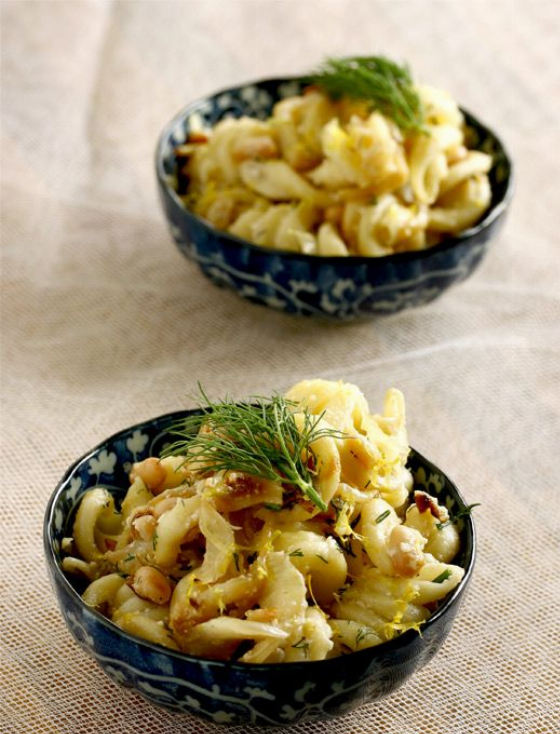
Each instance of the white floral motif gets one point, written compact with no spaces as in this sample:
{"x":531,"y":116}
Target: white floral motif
{"x":115,"y":675}
{"x":256,"y":102}
{"x":248,"y":94}
{"x":341,"y":287}
{"x":399,"y":301}
{"x":167,"y":151}
{"x":178,"y":133}
{"x":302,"y":286}
{"x":438,"y":483}
{"x":198,"y":120}
{"x":188,"y":248}
{"x":221,"y":717}
{"x":259,"y":693}
{"x":263,"y":102}
{"x":420,"y":478}
{"x":224,"y":100}
{"x":303,"y":691}
{"x":170,"y":692}
{"x":103,"y":463}
{"x":250,"y":292}
{"x":58,"y":520}
{"x":75,"y":486}
{"x":78,"y":627}
{"x":327,"y":305}
{"x":275,"y":303}
{"x":218,"y":276}
{"x":137,"y":442}
{"x":289,"y":89}
{"x":288,"y":712}
{"x":150,"y":689}
{"x":450,"y":504}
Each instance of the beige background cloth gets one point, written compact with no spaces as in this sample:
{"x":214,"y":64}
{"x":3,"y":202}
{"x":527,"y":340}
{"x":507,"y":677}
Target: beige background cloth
{"x":105,"y":324}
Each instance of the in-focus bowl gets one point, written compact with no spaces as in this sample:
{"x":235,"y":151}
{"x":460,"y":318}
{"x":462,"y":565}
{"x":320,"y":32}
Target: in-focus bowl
{"x":335,"y":288}
{"x":267,"y":694}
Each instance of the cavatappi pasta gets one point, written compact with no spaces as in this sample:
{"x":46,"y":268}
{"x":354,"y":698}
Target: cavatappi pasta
{"x":227,"y":565}
{"x":333,"y":178}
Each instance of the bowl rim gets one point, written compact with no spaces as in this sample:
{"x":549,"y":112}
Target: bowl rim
{"x":376,"y":651}
{"x":492,"y":214}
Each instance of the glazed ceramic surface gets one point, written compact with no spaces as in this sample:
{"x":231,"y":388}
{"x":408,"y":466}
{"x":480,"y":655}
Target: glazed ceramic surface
{"x":336,"y":288}
{"x":225,"y":692}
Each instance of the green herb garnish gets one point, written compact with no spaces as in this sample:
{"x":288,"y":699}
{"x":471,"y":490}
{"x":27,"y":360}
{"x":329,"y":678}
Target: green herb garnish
{"x":121,"y":573}
{"x":322,"y":558}
{"x":297,"y":553}
{"x":362,"y":633}
{"x":442,"y":577}
{"x":382,"y":517}
{"x":302,"y":645}
{"x":344,"y":546}
{"x":453,"y":518}
{"x":260,"y":438}
{"x":387,"y":86}
{"x":236,"y":561}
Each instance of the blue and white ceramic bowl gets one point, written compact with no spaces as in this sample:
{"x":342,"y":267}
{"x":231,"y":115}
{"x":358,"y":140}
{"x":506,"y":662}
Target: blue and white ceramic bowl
{"x":335,"y":288}
{"x":224,"y":692}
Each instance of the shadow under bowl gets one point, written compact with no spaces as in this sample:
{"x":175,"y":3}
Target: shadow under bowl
{"x":225,"y":692}
{"x":332,"y":288}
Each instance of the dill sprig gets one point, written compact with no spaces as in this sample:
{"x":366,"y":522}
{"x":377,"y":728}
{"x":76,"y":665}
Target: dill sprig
{"x":444,"y":575}
{"x":382,"y":516}
{"x":457,"y":516}
{"x":260,"y":438}
{"x":387,"y":86}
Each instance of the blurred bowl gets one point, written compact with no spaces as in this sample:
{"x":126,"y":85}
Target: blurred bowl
{"x":335,"y":288}
{"x":223,"y":692}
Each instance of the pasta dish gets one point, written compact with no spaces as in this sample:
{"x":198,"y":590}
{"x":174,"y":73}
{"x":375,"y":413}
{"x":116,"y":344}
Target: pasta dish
{"x":281,"y":530}
{"x":338,"y":176}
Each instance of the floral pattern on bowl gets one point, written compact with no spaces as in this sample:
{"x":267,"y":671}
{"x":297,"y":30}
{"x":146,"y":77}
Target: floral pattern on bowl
{"x":267,"y":695}
{"x":333,"y":288}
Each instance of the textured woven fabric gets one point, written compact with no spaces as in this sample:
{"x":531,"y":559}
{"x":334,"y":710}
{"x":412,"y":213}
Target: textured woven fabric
{"x":105,"y":324}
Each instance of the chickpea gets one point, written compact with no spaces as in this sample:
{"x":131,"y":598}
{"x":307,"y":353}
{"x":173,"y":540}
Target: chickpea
{"x":404,"y":547}
{"x":151,"y":584}
{"x":143,"y":527}
{"x":151,"y":472}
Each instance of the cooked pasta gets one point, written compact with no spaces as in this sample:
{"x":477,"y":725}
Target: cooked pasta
{"x":325,"y":177}
{"x":226,"y":564}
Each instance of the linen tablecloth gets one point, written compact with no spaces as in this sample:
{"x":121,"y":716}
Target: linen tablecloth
{"x":105,"y":324}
